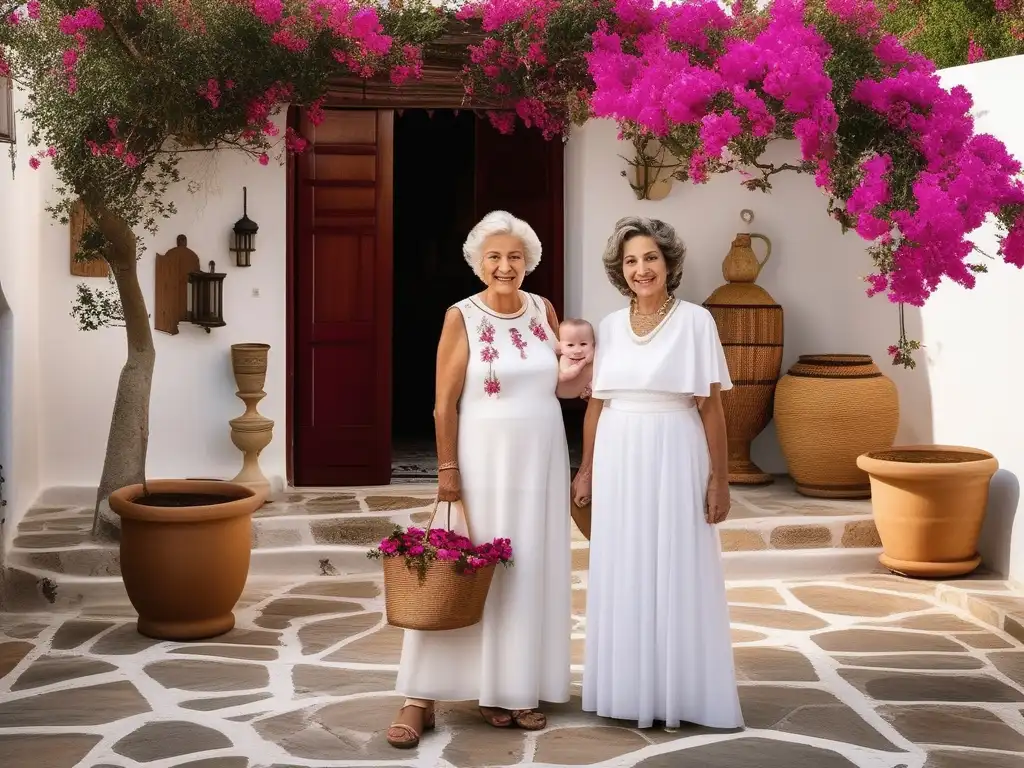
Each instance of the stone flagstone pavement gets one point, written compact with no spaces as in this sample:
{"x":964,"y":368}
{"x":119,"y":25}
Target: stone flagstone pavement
{"x":872,"y":671}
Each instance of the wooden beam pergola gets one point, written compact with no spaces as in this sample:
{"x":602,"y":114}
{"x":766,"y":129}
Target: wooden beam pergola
{"x":439,"y":87}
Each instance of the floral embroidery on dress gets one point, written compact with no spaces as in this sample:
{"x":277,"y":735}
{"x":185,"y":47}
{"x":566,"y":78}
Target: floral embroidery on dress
{"x":492,"y":386}
{"x":538,"y":330}
{"x":518,"y":341}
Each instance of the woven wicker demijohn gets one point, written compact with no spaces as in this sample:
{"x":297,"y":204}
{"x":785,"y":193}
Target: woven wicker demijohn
{"x":830,"y":409}
{"x":750,"y":327}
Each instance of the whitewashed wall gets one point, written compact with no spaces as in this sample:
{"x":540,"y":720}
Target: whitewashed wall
{"x":814,"y":271}
{"x":973,"y":358}
{"x":193,"y":388}
{"x":21,"y":410}
{"x":963,"y":391}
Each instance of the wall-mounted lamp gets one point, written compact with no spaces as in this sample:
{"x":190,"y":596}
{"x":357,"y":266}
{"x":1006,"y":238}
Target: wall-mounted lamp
{"x":244,"y":235}
{"x":206,"y":298}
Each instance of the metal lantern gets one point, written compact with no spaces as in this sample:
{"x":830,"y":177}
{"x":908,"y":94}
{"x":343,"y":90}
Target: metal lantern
{"x":205,"y":306}
{"x":244,"y":235}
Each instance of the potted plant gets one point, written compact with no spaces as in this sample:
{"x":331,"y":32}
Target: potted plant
{"x":929,"y":505}
{"x":185,"y":547}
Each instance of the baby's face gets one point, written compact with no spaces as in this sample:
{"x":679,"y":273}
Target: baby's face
{"x":577,"y":342}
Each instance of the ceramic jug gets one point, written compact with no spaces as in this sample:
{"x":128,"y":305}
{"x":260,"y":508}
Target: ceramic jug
{"x":741,"y":265}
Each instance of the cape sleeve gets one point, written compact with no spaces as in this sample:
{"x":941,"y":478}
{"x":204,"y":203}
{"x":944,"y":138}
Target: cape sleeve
{"x":601,"y":338}
{"x":709,"y":363}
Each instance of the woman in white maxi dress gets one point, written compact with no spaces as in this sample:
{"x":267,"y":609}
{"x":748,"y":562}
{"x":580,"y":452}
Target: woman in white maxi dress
{"x":658,"y":644}
{"x":505,"y":454}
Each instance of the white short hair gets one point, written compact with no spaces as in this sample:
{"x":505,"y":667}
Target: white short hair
{"x":501,"y":223}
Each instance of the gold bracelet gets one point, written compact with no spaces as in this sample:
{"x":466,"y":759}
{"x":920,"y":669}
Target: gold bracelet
{"x":447,"y":465}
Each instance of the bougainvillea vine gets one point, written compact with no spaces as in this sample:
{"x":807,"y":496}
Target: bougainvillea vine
{"x":896,"y":153}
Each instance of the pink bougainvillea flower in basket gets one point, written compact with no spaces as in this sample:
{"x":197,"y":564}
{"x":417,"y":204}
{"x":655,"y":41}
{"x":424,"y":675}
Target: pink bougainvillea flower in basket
{"x":420,"y":547}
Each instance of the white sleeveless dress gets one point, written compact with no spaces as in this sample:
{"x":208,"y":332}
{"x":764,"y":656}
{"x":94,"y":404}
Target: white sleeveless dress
{"x":514,"y":463}
{"x":658,"y":644}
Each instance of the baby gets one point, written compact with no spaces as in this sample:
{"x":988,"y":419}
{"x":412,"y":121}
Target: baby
{"x":576,"y":346}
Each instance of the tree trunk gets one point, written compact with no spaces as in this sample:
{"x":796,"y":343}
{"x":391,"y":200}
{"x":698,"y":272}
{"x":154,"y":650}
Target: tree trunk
{"x":128,"y":438}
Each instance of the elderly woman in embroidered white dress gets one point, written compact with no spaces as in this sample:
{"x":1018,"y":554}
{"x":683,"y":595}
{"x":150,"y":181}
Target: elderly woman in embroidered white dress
{"x":501,"y":449}
{"x":658,"y":645}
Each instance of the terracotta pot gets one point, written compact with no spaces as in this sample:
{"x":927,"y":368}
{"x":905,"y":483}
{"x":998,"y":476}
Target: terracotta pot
{"x":184,"y":567}
{"x":829,"y":409}
{"x":929,"y":504}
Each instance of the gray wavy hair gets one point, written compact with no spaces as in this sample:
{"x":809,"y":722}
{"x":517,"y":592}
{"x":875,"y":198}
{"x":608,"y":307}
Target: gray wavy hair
{"x":664,"y":236}
{"x":501,"y":223}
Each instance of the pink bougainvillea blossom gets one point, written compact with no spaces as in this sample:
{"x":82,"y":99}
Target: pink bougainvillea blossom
{"x":211,"y":92}
{"x":420,"y":548}
{"x":289,"y":40}
{"x":315,"y":111}
{"x":268,"y":11}
{"x":294,"y":142}
{"x":863,"y":15}
{"x":975,"y":52}
{"x":1012,"y":246}
{"x":83,"y":19}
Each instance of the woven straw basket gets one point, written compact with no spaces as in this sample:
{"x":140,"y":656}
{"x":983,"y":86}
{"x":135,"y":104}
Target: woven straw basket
{"x":443,"y":599}
{"x":750,"y":326}
{"x":830,"y":409}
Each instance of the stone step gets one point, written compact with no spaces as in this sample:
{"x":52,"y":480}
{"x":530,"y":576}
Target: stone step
{"x":772,"y":533}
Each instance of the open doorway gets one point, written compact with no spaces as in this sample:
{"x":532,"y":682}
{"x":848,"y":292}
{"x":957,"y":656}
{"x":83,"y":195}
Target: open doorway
{"x":434,"y":209}
{"x":383,"y":201}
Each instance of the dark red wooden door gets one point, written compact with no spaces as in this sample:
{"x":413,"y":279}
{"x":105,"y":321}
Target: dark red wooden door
{"x":522,"y":173}
{"x":343,"y":269}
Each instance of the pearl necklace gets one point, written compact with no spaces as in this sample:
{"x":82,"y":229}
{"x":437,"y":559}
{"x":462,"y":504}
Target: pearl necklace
{"x":663,"y":313}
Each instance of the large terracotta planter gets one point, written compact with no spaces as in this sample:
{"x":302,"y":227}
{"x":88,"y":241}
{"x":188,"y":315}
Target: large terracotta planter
{"x":929,"y":504}
{"x":185,"y":554}
{"x":829,"y":409}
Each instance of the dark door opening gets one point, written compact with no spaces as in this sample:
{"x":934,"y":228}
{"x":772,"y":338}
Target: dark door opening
{"x":382,"y":204}
{"x":434,"y":209}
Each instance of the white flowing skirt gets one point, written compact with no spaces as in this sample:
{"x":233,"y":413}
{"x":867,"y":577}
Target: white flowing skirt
{"x":515,"y":483}
{"x":658,"y":644}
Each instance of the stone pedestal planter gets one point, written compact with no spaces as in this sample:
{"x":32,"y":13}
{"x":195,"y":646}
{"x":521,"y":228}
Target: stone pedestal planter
{"x":929,"y":505}
{"x":251,"y":432}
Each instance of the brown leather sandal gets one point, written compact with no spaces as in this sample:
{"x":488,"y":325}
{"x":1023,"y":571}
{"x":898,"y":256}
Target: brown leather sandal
{"x":496,"y":717}
{"x":529,"y":719}
{"x":410,"y":737}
